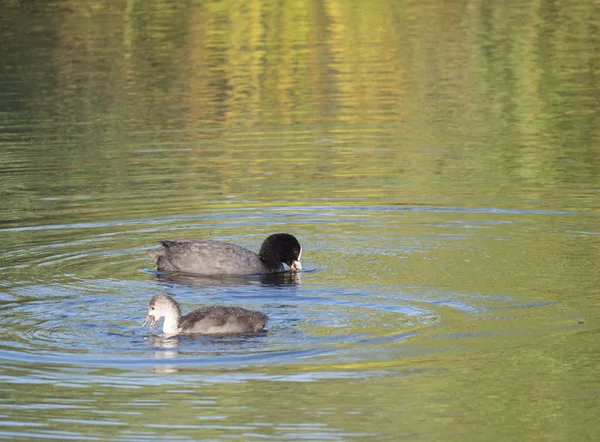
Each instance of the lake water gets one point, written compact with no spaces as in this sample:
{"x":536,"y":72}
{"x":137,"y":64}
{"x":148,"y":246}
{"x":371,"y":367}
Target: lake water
{"x":438,"y":161}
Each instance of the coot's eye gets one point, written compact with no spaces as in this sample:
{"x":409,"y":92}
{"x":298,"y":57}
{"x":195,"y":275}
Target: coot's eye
{"x":296,"y":252}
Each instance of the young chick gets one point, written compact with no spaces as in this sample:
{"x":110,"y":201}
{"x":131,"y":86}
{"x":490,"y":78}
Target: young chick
{"x":215,"y":319}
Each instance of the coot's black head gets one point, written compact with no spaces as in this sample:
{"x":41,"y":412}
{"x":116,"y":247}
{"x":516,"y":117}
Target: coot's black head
{"x":282,"y":247}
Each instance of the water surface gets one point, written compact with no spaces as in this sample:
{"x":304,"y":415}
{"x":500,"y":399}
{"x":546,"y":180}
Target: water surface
{"x":438,"y":163}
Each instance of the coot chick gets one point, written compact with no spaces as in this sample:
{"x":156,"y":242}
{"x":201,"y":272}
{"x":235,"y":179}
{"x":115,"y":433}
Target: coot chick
{"x":215,"y":319}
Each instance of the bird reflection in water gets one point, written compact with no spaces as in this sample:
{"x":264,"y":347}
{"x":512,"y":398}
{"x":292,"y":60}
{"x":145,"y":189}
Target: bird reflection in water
{"x":271,"y":279}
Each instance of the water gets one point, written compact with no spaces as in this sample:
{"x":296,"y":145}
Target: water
{"x":438,"y":163}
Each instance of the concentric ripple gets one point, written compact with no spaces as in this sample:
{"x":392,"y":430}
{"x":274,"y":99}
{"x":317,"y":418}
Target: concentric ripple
{"x":77,"y":294}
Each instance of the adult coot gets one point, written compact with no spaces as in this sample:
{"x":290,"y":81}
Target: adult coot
{"x":210,"y":257}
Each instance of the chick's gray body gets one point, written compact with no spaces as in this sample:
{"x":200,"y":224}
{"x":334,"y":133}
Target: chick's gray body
{"x":222,"y":319}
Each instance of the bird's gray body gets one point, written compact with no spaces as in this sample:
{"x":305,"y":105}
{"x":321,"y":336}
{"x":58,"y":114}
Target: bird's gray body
{"x":209,"y":257}
{"x":222,"y":319}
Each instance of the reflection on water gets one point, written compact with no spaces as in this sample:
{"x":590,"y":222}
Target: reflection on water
{"x":437,"y":161}
{"x":164,"y":348}
{"x":201,"y":281}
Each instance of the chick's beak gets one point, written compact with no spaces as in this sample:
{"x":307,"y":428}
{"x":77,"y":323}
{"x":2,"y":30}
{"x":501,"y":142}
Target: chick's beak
{"x":295,"y":266}
{"x":151,"y":323}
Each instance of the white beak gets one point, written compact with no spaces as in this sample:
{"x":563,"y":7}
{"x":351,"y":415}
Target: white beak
{"x":296,"y":266}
